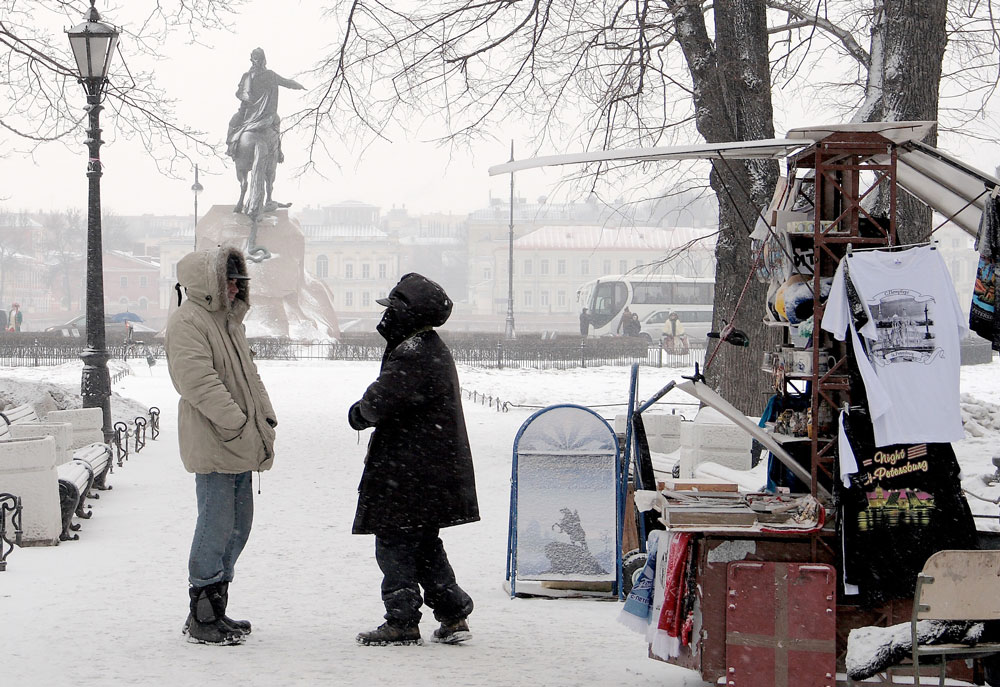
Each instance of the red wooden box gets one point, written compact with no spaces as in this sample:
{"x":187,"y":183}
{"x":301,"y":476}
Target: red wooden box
{"x":781,"y":624}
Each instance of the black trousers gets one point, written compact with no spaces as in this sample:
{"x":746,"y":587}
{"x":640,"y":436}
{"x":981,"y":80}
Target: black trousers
{"x":413,"y":559}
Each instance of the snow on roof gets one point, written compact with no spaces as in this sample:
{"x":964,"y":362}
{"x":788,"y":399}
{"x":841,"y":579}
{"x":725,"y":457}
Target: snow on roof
{"x":621,"y":238}
{"x":144,"y":260}
{"x":365,"y":232}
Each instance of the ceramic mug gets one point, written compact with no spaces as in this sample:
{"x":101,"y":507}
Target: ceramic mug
{"x":800,"y":361}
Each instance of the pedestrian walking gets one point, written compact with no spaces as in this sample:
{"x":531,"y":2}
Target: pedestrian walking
{"x":418,"y":475}
{"x":15,"y":318}
{"x":225,"y":427}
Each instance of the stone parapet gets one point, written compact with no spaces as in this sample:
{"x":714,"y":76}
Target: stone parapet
{"x":28,"y":470}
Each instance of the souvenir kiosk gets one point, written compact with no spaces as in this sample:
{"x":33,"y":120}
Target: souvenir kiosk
{"x":767,"y":587}
{"x":763,"y":585}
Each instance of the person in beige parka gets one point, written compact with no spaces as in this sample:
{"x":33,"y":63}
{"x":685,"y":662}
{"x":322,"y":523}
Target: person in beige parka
{"x":225,"y":425}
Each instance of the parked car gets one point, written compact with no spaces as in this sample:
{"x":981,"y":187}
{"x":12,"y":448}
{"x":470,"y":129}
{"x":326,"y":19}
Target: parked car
{"x":697,"y":324}
{"x":114,"y":328}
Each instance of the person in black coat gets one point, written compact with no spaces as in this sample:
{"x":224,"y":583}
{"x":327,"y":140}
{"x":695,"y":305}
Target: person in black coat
{"x":418,"y":475}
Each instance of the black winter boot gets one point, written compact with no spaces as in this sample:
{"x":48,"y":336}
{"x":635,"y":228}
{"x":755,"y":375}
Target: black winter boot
{"x":388,"y":634}
{"x":205,"y":624}
{"x":452,"y":633}
{"x":238,"y":625}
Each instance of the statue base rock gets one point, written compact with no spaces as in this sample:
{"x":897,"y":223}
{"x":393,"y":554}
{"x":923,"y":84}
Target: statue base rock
{"x":285,"y":300}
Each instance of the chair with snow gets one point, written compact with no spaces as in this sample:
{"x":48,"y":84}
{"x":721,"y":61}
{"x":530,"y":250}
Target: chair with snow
{"x":955,"y":592}
{"x":564,"y":537}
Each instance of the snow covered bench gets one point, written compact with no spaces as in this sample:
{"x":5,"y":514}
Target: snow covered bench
{"x":955,"y":593}
{"x":77,"y":477}
{"x":75,"y":480}
{"x":79,"y":469}
{"x":70,"y":429}
{"x":21,"y":413}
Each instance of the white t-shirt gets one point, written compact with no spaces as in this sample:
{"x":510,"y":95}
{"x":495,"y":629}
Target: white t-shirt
{"x":913,"y":335}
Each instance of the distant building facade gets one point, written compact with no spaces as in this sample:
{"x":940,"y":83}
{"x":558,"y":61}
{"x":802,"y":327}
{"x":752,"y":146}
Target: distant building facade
{"x":346,"y":248}
{"x":132,"y":283}
{"x":551,"y":263}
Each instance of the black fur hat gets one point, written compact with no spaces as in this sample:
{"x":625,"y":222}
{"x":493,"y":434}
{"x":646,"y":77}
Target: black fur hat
{"x":423,"y":300}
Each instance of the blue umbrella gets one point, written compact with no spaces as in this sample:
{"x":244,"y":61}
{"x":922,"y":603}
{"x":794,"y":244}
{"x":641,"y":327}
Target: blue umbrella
{"x":125,"y":316}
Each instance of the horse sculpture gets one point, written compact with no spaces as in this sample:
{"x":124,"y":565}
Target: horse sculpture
{"x":256,"y":156}
{"x":253,"y":139}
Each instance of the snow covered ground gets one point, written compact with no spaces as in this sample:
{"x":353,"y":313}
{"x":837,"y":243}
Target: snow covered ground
{"x":107,"y":609}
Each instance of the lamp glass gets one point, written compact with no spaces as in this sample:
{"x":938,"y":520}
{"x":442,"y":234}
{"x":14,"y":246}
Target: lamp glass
{"x":93,"y":43}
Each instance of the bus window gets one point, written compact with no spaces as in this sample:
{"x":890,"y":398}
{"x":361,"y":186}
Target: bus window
{"x":695,"y":294}
{"x":651,"y":292}
{"x":609,"y":299}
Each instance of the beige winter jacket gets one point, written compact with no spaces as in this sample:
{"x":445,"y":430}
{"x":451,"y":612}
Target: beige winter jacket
{"x":223,"y":412}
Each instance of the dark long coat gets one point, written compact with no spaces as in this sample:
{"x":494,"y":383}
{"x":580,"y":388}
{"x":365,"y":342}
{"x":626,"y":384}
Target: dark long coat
{"x":418,"y":472}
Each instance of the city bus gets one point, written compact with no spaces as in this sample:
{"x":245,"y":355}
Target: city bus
{"x":652,"y":297}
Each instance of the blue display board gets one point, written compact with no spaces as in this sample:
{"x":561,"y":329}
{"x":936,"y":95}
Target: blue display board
{"x":564,"y":499}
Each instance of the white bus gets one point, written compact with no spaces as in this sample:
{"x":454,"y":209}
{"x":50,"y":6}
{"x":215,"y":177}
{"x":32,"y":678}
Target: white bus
{"x":652,"y":297}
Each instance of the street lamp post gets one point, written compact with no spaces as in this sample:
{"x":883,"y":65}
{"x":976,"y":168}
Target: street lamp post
{"x":197,"y":188}
{"x":509,"y":332}
{"x":93,"y":43}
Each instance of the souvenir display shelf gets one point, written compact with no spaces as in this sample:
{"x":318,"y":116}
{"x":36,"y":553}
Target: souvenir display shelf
{"x":848,"y":168}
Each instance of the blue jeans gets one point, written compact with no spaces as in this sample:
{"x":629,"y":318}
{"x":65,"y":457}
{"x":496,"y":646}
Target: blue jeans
{"x":225,"y":515}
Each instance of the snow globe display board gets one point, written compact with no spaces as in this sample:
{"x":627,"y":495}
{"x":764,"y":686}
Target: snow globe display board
{"x":564,"y":531}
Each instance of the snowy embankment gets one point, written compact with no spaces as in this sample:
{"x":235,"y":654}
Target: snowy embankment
{"x":107,"y":609}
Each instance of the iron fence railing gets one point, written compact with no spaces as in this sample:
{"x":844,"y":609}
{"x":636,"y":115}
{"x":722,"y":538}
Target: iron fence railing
{"x":477,"y":350}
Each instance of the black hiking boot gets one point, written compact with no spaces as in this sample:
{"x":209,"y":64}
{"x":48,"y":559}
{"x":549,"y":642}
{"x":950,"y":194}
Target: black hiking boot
{"x":452,"y":633}
{"x":241,"y":626}
{"x":388,"y":634}
{"x":205,"y":625}
{"x":238,"y":625}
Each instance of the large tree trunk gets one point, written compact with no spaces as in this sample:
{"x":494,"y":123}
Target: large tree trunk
{"x":907,"y":48}
{"x":732,"y":100}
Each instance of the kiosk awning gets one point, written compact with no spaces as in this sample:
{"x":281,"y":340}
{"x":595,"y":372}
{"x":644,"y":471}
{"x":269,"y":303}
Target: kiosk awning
{"x":949,"y":186}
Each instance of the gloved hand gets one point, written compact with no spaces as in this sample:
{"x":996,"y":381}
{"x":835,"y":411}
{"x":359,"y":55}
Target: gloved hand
{"x":356,"y":419}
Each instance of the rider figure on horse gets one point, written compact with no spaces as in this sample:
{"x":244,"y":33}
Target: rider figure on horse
{"x":258,"y":114}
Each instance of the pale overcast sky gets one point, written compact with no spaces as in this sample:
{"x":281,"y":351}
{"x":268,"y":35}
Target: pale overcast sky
{"x":204,"y":81}
{"x":293,"y":35}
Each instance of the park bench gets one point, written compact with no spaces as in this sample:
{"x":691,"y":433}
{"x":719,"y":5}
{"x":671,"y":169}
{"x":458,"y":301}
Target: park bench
{"x":77,"y":479}
{"x":55,"y":464}
{"x":954,"y":585}
{"x":85,"y":470}
{"x":23,"y":422}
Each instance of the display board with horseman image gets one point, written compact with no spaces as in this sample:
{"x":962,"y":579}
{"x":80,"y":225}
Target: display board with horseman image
{"x":563,"y":498}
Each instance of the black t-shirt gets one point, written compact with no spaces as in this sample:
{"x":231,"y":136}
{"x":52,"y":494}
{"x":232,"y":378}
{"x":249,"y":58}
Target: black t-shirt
{"x":904,"y":504}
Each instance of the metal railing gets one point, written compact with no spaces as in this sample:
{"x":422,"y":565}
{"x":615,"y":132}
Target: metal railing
{"x":477,"y":350}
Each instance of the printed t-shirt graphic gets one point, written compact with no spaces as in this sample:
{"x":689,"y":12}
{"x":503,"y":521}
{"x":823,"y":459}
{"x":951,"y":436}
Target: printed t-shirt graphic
{"x":904,"y":503}
{"x":912,"y":337}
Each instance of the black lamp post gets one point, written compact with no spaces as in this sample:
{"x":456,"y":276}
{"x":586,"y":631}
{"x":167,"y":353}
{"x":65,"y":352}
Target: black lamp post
{"x":93,"y":43}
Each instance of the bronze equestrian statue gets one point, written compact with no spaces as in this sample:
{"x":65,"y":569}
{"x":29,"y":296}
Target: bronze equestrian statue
{"x":254,"y":136}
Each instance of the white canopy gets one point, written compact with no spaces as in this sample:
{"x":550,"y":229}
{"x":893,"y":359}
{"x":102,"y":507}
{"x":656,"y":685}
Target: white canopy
{"x":947,"y":185}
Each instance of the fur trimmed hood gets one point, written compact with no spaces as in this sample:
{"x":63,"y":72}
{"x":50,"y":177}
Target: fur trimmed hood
{"x":203,"y":276}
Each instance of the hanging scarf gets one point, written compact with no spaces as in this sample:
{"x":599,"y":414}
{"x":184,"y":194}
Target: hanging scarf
{"x":636,"y":611}
{"x":982,"y":314}
{"x":666,"y":642}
